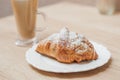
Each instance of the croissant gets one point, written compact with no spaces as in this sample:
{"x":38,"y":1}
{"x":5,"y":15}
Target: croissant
{"x":67,"y":47}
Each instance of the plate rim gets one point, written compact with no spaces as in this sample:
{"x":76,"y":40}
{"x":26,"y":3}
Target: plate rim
{"x":52,"y":70}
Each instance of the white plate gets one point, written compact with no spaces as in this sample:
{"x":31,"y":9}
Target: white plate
{"x":47,"y":64}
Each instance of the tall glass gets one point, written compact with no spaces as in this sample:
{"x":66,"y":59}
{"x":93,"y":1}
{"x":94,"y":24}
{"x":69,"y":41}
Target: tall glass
{"x":25,"y":13}
{"x":106,"y":6}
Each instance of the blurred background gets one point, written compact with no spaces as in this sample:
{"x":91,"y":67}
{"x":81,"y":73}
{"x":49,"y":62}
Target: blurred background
{"x":6,"y":10}
{"x":5,"y":6}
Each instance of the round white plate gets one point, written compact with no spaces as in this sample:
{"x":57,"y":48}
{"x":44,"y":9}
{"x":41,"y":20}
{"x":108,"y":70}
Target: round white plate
{"x":48,"y":64}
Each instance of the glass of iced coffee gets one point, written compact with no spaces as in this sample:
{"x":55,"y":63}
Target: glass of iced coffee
{"x":25,"y":14}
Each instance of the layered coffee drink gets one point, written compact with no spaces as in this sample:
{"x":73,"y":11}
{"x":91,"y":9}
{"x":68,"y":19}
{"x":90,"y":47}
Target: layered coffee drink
{"x":25,"y":14}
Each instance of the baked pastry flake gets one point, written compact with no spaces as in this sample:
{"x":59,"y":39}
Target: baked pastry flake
{"x":67,"y":47}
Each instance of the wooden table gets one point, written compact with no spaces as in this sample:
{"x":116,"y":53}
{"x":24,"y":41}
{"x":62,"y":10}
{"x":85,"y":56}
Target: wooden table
{"x":82,"y":19}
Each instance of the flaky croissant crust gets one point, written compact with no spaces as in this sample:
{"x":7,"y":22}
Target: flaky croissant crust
{"x":62,"y":53}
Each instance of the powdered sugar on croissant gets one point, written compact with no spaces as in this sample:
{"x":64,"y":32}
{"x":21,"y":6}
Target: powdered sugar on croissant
{"x":67,"y":46}
{"x":64,"y":34}
{"x":70,"y":39}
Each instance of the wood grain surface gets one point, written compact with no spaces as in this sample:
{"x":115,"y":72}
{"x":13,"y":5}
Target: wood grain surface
{"x":82,"y":19}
